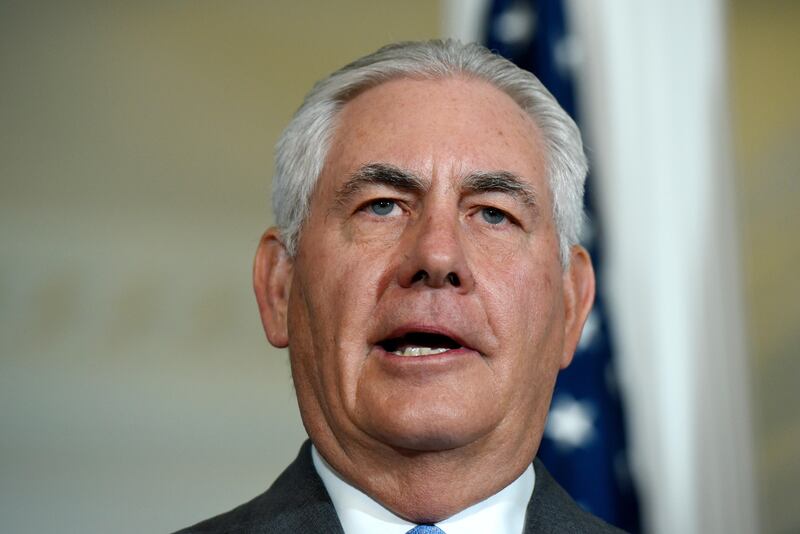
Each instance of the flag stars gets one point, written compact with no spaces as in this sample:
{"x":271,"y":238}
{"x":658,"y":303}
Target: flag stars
{"x":568,"y":55}
{"x":516,"y":25}
{"x":570,"y":423}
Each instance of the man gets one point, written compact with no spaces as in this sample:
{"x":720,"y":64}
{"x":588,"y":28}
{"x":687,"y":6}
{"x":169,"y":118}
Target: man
{"x":426,"y":278}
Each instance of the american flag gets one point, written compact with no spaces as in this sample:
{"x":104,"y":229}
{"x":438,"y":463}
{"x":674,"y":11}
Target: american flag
{"x":584,"y":444}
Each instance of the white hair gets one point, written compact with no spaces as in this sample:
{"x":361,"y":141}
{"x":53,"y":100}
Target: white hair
{"x":302,"y":148}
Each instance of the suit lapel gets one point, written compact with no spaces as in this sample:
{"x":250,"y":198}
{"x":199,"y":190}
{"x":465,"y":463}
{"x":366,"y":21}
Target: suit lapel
{"x":300,"y":501}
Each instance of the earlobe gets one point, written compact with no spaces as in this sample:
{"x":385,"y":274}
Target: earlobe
{"x":272,"y":279}
{"x":579,"y":289}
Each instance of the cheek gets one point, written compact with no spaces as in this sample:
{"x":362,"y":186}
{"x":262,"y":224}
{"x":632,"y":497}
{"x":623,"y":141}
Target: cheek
{"x":352,"y":274}
{"x":520,"y":290}
{"x":332,"y":336}
{"x":525,"y":310}
{"x":355,"y":265}
{"x":326,"y":279}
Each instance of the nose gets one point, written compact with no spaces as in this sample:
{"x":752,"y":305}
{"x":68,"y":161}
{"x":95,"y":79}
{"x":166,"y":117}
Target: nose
{"x":435,"y":256}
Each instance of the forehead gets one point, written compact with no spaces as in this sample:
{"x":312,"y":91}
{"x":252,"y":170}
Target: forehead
{"x":437,"y":128}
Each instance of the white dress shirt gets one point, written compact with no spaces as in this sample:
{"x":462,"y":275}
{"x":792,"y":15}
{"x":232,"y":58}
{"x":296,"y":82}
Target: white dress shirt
{"x":502,"y":513}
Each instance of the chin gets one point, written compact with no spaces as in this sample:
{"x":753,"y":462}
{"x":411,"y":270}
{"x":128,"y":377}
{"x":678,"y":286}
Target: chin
{"x":427,"y":442}
{"x":430,"y":434}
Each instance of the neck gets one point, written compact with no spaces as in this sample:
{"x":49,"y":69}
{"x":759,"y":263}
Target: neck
{"x":429,"y":486}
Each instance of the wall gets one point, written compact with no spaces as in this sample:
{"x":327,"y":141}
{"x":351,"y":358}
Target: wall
{"x":764,"y":45}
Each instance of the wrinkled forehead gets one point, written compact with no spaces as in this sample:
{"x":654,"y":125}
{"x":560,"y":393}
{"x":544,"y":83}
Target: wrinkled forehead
{"x":440,"y":129}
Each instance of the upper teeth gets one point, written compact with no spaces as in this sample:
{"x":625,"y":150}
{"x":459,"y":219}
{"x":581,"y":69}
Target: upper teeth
{"x":418,"y":351}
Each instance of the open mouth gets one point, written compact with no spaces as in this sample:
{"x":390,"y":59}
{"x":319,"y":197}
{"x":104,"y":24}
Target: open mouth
{"x":419,"y":344}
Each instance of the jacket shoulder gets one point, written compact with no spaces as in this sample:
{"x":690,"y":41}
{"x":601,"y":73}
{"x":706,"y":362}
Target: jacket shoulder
{"x":551,"y":510}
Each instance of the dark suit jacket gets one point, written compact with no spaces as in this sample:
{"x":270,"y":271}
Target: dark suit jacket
{"x":297,"y":502}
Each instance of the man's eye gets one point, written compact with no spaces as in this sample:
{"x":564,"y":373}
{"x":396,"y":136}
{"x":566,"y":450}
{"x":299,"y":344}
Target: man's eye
{"x":493,"y":215}
{"x":382,"y":207}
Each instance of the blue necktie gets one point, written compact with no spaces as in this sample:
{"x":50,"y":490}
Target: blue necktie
{"x":426,"y":529}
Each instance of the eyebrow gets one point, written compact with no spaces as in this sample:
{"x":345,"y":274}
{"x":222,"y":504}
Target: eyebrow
{"x":397,"y":178}
{"x":380,"y":174}
{"x":501,"y":182}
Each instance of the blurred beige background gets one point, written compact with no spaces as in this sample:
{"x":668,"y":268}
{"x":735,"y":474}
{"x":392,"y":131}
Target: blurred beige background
{"x":137,"y":391}
{"x":764,"y":40}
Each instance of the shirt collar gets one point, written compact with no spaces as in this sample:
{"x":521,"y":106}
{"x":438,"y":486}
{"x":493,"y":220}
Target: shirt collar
{"x":502,"y":513}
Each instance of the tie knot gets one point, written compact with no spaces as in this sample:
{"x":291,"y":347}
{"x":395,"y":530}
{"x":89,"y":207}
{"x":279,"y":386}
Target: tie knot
{"x":426,"y":529}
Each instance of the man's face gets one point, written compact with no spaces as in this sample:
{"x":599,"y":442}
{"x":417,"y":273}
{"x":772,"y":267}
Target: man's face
{"x":427,"y":307}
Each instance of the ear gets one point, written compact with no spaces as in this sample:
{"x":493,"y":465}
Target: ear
{"x":579,"y":288}
{"x":272,"y":280}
